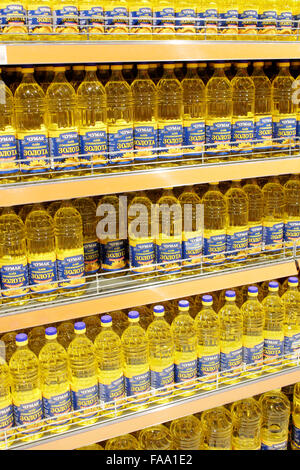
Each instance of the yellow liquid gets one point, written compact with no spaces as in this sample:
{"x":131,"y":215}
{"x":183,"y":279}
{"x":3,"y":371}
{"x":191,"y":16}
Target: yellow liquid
{"x":273,"y":331}
{"x":217,"y":429}
{"x":43,"y":19}
{"x":246,"y":422}
{"x":116,"y":28}
{"x":15,"y":28}
{"x":87,"y":209}
{"x":274,"y":204}
{"x":9,"y":340}
{"x":253,"y":336}
{"x":164,"y":29}
{"x":263,"y":110}
{"x":275,"y":411}
{"x":292,"y":211}
{"x":125,"y":442}
{"x":291,"y":304}
{"x":141,"y":28}
{"x":6,"y":436}
{"x":156,"y":438}
{"x":186,"y":433}
{"x":296,"y":416}
{"x":67,"y":19}
{"x":255,"y":218}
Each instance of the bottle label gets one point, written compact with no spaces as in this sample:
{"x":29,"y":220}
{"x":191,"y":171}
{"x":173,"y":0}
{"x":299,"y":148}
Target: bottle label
{"x":285,"y":22}
{"x":92,"y":20}
{"x":231,"y":360}
{"x":211,"y":20}
{"x":229,"y":22}
{"x":116,"y":20}
{"x":113,"y":390}
{"x":142,"y":255}
{"x":8,"y":154}
{"x":141,"y":20}
{"x":13,"y":14}
{"x":272,"y":236}
{"x":71,"y":268}
{"x":296,"y":435}
{"x":164,"y":21}
{"x":242,"y":135}
{"x":58,"y":405}
{"x":91,"y":257}
{"x":184,"y":371}
{"x":214,"y":247}
{"x":41,"y":273}
{"x":145,"y":140}
{"x":169,"y":252}
{"x":14,"y":279}
{"x":192,"y":243}
{"x":208,"y":362}
{"x":218,"y":133}
{"x":170,"y":136}
{"x":120,"y":143}
{"x":263,"y":132}
{"x":66,"y":16}
{"x":292,"y":232}
{"x":292,"y":343}
{"x":248,"y":21}
{"x":93,"y":147}
{"x":6,"y":416}
{"x":64,"y":150}
{"x":85,"y":397}
{"x":185,"y":20}
{"x":253,"y":348}
{"x":113,"y":255}
{"x":267,"y":22}
{"x":136,"y":384}
{"x":194,"y":137}
{"x":273,"y":347}
{"x":236,"y":244}
{"x":28,"y":413}
{"x":284,"y":131}
{"x":34,"y":152}
{"x":277,"y":446}
{"x":162,"y":378}
{"x":40,"y":17}
{"x":255,"y":239}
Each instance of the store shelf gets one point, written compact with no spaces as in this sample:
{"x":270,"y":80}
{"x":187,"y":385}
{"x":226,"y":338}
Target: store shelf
{"x":160,"y":414}
{"x":130,"y":51}
{"x":143,"y":180}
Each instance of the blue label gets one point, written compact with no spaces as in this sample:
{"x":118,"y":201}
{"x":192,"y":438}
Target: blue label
{"x":273,"y":348}
{"x":285,"y":21}
{"x":93,"y":145}
{"x":161,"y":15}
{"x":273,"y":236}
{"x":15,"y":277}
{"x":292,"y":344}
{"x":218,"y":133}
{"x":116,"y":18}
{"x":120,"y":145}
{"x":185,"y":371}
{"x":34,"y":153}
{"x":267,"y":19}
{"x":13,"y":13}
{"x":28,"y":413}
{"x":248,"y":18}
{"x":242,"y":135}
{"x":284,"y":130}
{"x":112,"y":391}
{"x":214,"y":249}
{"x":296,"y":435}
{"x":145,"y":140}
{"x":237,"y":245}
{"x":255,"y":237}
{"x":8,"y":155}
{"x":93,"y":17}
{"x":142,"y":18}
{"x":263,"y":132}
{"x":113,"y":255}
{"x":142,"y":255}
{"x":192,"y":250}
{"x":137,"y":384}
{"x":170,"y":136}
{"x":162,"y":378}
{"x":41,"y":16}
{"x":232,"y":360}
{"x":170,"y":252}
{"x":71,"y":268}
{"x":91,"y":257}
{"x":85,"y":397}
{"x":66,"y":147}
{"x":58,"y":405}
{"x":194,"y":137}
{"x":292,"y":231}
{"x":67,"y":15}
{"x":6,"y":417}
{"x":183,"y":24}
{"x":42,"y":272}
{"x":207,"y":365}
{"x":229,"y":20}
{"x":277,"y":446}
{"x":253,"y":354}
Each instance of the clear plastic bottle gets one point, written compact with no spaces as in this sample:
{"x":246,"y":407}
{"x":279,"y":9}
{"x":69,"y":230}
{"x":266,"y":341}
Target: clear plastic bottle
{"x":246,"y":423}
{"x":268,"y":19}
{"x":14,"y":20}
{"x":203,"y":73}
{"x":186,"y":433}
{"x":125,"y":442}
{"x":91,"y":19}
{"x":291,"y":305}
{"x":156,"y":438}
{"x":164,"y":19}
{"x":136,"y":362}
{"x":6,"y":409}
{"x":273,"y":329}
{"x":285,"y":20}
{"x":262,"y":110}
{"x":210,"y":12}
{"x":40,"y":19}
{"x":78,"y":76}
{"x":217,"y":429}
{"x":25,"y":382}
{"x":255,"y":218}
{"x":229,"y":19}
{"x":141,"y":18}
{"x":53,"y":207}
{"x":65,"y":18}
{"x":128,"y":72}
{"x":84,"y":377}
{"x":161,"y":355}
{"x":273,"y":225}
{"x":292,"y":212}
{"x":103,"y":73}
{"x":185,"y":22}
{"x":36,"y":339}
{"x":231,"y":339}
{"x":116,"y":16}
{"x":9,"y":340}
{"x":275,"y":411}
{"x":55,"y":383}
{"x":296,"y":418}
{"x":248,"y":19}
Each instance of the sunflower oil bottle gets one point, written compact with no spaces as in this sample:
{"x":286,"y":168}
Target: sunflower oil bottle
{"x":91,"y":19}
{"x":13,"y":20}
{"x":273,"y":329}
{"x":26,"y":394}
{"x":9,"y":344}
{"x":55,"y":384}
{"x":40,"y":19}
{"x":208,"y":15}
{"x":41,"y":254}
{"x":285,"y":20}
{"x":229,"y":19}
{"x":291,"y":325}
{"x":156,"y":438}
{"x":186,"y":433}
{"x":275,"y":412}
{"x":116,"y":19}
{"x":87,"y":209}
{"x":292,"y":212}
{"x":32,"y":133}
{"x":253,"y":333}
{"x":83,"y":376}
{"x":13,"y":260}
{"x":231,"y":339}
{"x":53,"y":207}
{"x":65,"y":18}
{"x":296,"y":418}
{"x":119,"y":118}
{"x":6,"y":409}
{"x":128,"y":72}
{"x":103,"y":73}
{"x":218,"y":113}
{"x":193,"y":112}
{"x":215,"y":226}
{"x":273,"y":224}
{"x":203,"y":72}
{"x":92,"y":119}
{"x":125,"y":442}
{"x":246,"y":423}
{"x":65,"y":334}
{"x":78,"y":75}
{"x":267,"y":25}
{"x":185,"y":357}
{"x":207,"y":328}
{"x":161,"y":355}
{"x":69,"y":250}
{"x":170,"y":115}
{"x":248,"y":20}
{"x":262,"y":110}
{"x":144,"y":96}
{"x":217,"y":429}
{"x":135,"y":350}
{"x":62,"y":125}
{"x":164,"y":19}
{"x":255,"y":218}
{"x":141,"y":19}
{"x":237,"y":230}
{"x":185,"y":19}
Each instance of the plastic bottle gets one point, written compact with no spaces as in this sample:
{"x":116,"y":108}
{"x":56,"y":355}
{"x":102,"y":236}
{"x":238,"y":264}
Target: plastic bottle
{"x":65,"y":18}
{"x":108,"y":353}
{"x":203,"y":73}
{"x":210,"y":15}
{"x":93,"y":326}
{"x":170,"y":115}
{"x":128,"y":72}
{"x":231,"y":339}
{"x":248,"y":19}
{"x":207,"y":327}
{"x":65,"y":334}
{"x":92,"y":120}
{"x":26,"y":394}
{"x":161,"y":355}
{"x":36,"y":339}
{"x":246,"y":422}
{"x":69,"y":250}
{"x":268,"y":19}
{"x":262,"y":110}
{"x":156,"y":438}
{"x":116,"y":19}
{"x":32,"y":133}
{"x":52,"y":208}
{"x":285,"y":20}
{"x":144,"y":117}
{"x":55,"y":384}
{"x":164,"y":18}
{"x":141,"y":19}
{"x":9,"y":345}
{"x":13,"y":260}
{"x":125,"y":442}
{"x":218,"y":113}
{"x":273,"y":225}
{"x":103,"y":73}
{"x":6,"y":409}
{"x":40,"y":19}
{"x":136,"y":363}
{"x":237,"y":231}
{"x":296,"y":418}
{"x":273,"y":329}
{"x":228,"y":19}
{"x":84,"y":377}
{"x":217,"y":429}
{"x":62,"y":125}
{"x":255,"y":218}
{"x":185,"y":22}
{"x":292,"y":212}
{"x":186,"y":433}
{"x":14,"y":20}
{"x":253,"y":333}
{"x":291,"y":304}
{"x":119,"y":118}
{"x":275,"y":411}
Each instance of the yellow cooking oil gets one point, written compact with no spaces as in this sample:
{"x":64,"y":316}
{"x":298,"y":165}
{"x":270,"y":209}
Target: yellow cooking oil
{"x":128,"y":72}
{"x":273,"y":329}
{"x":291,"y":324}
{"x":246,"y":423}
{"x":275,"y":411}
{"x":262,"y":111}
{"x":31,"y":124}
{"x":84,"y":378}
{"x":248,"y":15}
{"x":203,"y":72}
{"x":93,"y":326}
{"x":6,"y":408}
{"x":255,"y":218}
{"x":40,"y":20}
{"x":209,"y":15}
{"x":231,"y":340}
{"x":135,"y":350}
{"x":103,"y":73}
{"x":62,"y":125}
{"x":65,"y":333}
{"x":55,"y":383}
{"x":185,"y":19}
{"x":66,"y":19}
{"x":229,"y":20}
{"x":92,"y":119}
{"x":109,"y":359}
{"x":217,"y":429}
{"x":156,"y":438}
{"x":268,"y":19}
{"x":53,"y":207}
{"x":292,"y":212}
{"x":164,"y":19}
{"x":125,"y":442}
{"x":26,"y":394}
{"x":14,"y":27}
{"x":91,"y":19}
{"x":141,"y":19}
{"x":69,"y":250}
{"x":13,"y":260}
{"x":116,"y":17}
{"x":296,"y":418}
{"x":78,"y":75}
{"x":273,"y":224}
{"x":207,"y":326}
{"x":9,"y":345}
{"x":186,"y":433}
{"x":285,"y":23}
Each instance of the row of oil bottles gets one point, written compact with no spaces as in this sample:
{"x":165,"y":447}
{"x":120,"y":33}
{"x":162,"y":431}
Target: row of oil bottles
{"x":81,"y":124}
{"x":181,"y":358}
{"x":268,"y":18}
{"x":47,"y":250}
{"x":270,"y":421}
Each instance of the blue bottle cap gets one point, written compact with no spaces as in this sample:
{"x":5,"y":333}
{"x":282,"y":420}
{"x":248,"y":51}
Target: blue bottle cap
{"x":106,"y":319}
{"x":230,"y":294}
{"x":133,"y":315}
{"x":252,"y":290}
{"x":293,"y":280}
{"x":183,"y":304}
{"x":207,"y":299}
{"x":21,"y":338}
{"x":273,"y":285}
{"x":79,"y":326}
{"x":51,"y":331}
{"x":159,"y":309}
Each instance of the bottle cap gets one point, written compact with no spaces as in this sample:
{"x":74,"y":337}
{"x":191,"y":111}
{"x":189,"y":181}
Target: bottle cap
{"x":207,"y":300}
{"x":106,"y":320}
{"x":159,"y":310}
{"x":183,"y":305}
{"x":51,"y":332}
{"x":116,"y":67}
{"x":21,"y":339}
{"x":230,"y":295}
{"x":293,"y":281}
{"x":133,"y":316}
{"x":273,"y":286}
{"x":142,"y":66}
{"x":252,"y":291}
{"x":79,"y":327}
{"x":169,"y":66}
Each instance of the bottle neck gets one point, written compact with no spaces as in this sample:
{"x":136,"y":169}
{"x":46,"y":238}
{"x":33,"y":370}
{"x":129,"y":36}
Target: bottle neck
{"x":143,"y":74}
{"x":91,"y":76}
{"x":192,"y":73}
{"x":284,"y":72}
{"x":116,"y":75}
{"x":28,"y":78}
{"x":230,"y":302}
{"x":293,"y":288}
{"x":219,"y":72}
{"x":258,"y":70}
{"x":242,"y":72}
{"x":60,"y":77}
{"x":169,"y":74}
